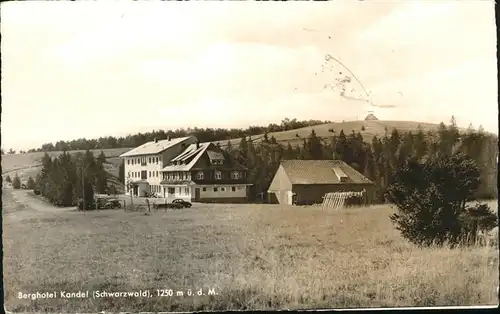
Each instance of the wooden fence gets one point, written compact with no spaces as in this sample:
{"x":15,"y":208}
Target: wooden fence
{"x":337,"y":200}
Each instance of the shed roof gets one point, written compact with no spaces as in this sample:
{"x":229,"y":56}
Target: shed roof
{"x":321,"y":172}
{"x":153,"y":147}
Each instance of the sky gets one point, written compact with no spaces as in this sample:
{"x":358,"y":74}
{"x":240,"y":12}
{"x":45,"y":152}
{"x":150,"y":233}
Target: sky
{"x":91,"y":69}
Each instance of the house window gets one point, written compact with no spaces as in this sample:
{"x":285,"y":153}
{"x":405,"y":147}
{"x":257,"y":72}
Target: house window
{"x":236,"y":175}
{"x":215,"y":189}
{"x":144,"y":175}
{"x":199,"y":175}
{"x":156,"y":173}
{"x":204,"y":189}
{"x":218,"y":175}
{"x":150,"y":173}
{"x":233,"y":189}
{"x":223,"y":189}
{"x":128,"y":161}
{"x":157,"y":159}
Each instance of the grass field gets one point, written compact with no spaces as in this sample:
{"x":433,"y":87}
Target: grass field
{"x":253,"y":256}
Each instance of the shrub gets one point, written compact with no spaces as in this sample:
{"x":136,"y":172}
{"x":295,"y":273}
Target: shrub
{"x":432,"y":199}
{"x":16,"y":183}
{"x":30,"y":184}
{"x":8,"y":179}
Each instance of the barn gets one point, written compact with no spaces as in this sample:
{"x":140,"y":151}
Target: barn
{"x":307,"y":181}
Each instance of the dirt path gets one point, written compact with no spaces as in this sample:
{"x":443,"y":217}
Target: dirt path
{"x":22,"y":204}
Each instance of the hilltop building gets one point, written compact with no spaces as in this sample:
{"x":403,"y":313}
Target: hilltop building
{"x":370,"y":117}
{"x":307,"y":181}
{"x":184,"y":168}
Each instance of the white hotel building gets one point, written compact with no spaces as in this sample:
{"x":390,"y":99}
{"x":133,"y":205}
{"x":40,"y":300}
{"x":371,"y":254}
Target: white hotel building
{"x":184,"y":168}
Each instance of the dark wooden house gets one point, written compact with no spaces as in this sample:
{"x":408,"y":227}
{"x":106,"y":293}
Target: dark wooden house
{"x":205,"y":173}
{"x":307,"y":181}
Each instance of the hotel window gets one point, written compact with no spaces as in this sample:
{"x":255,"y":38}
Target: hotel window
{"x":223,"y":189}
{"x":157,"y":159}
{"x":128,"y":161}
{"x":199,"y":175}
{"x":215,"y":189}
{"x":233,"y":189}
{"x":204,"y":189}
{"x":236,"y":175}
{"x":156,"y":173}
{"x":186,"y":191}
{"x":176,"y":176}
{"x":218,"y":175}
{"x":150,"y":173}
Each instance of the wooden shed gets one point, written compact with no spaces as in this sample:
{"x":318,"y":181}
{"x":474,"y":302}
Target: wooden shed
{"x":307,"y":181}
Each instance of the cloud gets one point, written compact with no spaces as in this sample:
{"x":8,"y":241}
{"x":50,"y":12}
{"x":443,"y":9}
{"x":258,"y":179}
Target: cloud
{"x":237,"y":63}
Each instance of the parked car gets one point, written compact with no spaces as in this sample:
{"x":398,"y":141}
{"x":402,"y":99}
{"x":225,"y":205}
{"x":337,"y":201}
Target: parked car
{"x":176,"y":204}
{"x":183,"y":203}
{"x":23,"y":186}
{"x":36,"y":191}
{"x":111,"y":204}
{"x":88,"y":205}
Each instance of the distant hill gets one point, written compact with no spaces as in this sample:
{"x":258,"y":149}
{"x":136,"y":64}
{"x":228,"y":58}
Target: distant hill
{"x":371,"y":128}
{"x":29,"y":164}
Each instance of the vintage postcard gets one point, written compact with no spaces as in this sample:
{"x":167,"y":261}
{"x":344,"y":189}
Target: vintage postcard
{"x":237,"y":155}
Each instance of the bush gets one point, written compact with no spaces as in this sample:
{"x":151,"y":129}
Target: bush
{"x":8,"y":179}
{"x":432,"y":197}
{"x":30,"y":185}
{"x":16,"y":183}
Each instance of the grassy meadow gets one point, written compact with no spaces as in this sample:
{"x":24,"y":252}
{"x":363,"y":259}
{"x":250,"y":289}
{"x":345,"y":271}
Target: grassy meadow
{"x":253,"y":256}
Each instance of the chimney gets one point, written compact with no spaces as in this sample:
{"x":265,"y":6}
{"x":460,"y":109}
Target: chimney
{"x":156,"y":140}
{"x":169,"y":138}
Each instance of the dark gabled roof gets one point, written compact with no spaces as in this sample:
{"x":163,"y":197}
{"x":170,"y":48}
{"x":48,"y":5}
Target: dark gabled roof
{"x":321,"y":172}
{"x":371,"y":117}
{"x":192,"y":153}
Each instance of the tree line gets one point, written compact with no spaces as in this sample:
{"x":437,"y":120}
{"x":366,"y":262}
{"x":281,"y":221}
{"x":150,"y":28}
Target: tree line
{"x":203,"y":135}
{"x":65,"y":179}
{"x":377,"y":160}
